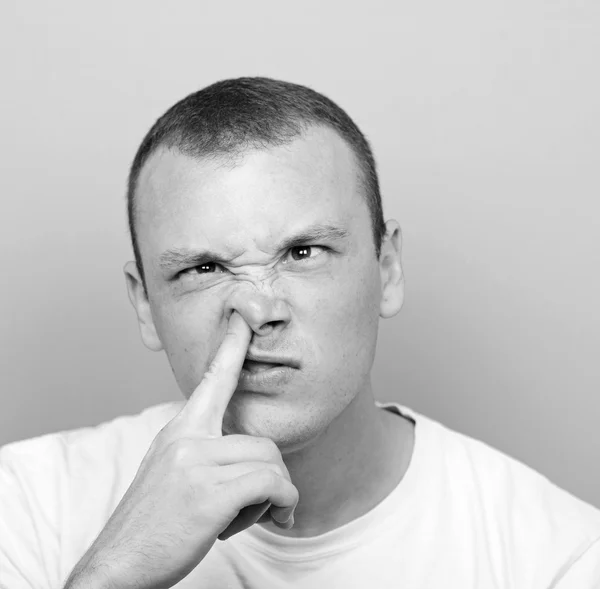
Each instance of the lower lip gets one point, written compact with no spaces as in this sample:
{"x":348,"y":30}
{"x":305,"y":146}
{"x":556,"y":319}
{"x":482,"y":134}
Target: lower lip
{"x":271,"y":377}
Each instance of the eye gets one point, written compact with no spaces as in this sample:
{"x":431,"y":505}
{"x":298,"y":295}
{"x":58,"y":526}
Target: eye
{"x":206,"y":268}
{"x":300,"y":253}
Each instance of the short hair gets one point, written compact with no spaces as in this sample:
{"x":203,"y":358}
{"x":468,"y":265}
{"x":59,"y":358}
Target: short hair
{"x":231,"y":116}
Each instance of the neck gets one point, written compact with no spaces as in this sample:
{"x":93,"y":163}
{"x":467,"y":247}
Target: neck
{"x":350,"y":468}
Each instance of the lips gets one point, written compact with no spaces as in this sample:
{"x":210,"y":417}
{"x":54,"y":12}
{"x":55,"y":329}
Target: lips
{"x":253,"y":366}
{"x":265,"y":377}
{"x":270,"y":360}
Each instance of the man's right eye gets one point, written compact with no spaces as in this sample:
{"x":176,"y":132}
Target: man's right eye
{"x":206,"y":268}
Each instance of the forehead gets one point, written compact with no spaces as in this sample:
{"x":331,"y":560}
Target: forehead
{"x":250,"y":201}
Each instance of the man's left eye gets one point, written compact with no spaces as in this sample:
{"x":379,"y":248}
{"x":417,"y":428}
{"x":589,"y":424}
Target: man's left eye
{"x":304,"y":252}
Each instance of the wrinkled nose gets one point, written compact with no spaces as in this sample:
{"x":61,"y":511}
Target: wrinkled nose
{"x":260,"y":307}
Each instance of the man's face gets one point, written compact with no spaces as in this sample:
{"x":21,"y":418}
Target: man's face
{"x":317,"y":302}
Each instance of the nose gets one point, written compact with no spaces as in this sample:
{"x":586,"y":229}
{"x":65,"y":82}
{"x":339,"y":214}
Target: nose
{"x":263,"y":311}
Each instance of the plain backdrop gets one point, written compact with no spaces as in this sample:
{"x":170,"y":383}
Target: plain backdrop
{"x":484,"y":118}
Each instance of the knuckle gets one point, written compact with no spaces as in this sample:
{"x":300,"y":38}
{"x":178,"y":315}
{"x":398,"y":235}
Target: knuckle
{"x":268,"y":477}
{"x":231,"y":333}
{"x":270,"y":449}
{"x":219,"y":374}
{"x":212,"y":369}
{"x":180,"y":451}
{"x":276,"y":469}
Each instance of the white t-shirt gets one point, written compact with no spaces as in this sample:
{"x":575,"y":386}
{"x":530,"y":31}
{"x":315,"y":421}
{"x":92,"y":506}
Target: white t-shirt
{"x":464,"y":516}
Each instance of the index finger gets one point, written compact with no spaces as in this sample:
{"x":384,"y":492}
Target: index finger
{"x":206,"y":406}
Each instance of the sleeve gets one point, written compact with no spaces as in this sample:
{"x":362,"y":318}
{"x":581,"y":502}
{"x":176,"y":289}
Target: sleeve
{"x":584,"y":573}
{"x":27,"y":536}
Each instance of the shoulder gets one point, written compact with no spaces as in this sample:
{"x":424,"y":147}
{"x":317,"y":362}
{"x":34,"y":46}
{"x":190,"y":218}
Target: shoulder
{"x":510,"y":486}
{"x":522,"y":516}
{"x":120,"y":438}
{"x":102,"y":460}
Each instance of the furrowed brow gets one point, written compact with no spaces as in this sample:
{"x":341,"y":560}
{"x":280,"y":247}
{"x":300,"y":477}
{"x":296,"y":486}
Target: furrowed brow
{"x":313,"y":234}
{"x":175,"y":258}
{"x":182,"y":257}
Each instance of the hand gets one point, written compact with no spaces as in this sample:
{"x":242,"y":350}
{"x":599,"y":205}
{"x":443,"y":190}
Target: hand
{"x":193,"y":486}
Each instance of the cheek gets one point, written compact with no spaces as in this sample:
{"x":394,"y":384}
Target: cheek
{"x":190,"y":334}
{"x":347,"y":319}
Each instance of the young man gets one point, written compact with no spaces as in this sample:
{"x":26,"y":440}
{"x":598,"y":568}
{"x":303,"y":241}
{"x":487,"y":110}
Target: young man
{"x":262,"y":267}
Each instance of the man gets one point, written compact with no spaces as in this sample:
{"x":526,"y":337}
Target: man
{"x":262,"y":266}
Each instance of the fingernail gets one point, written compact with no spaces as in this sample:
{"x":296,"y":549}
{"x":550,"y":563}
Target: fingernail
{"x":282,"y":522}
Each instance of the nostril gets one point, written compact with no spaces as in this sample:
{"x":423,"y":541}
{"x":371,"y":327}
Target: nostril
{"x":265,"y":329}
{"x":270,"y":326}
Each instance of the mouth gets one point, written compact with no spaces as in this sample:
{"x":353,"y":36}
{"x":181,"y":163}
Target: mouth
{"x":256,"y":362}
{"x":253,"y":367}
{"x":266,"y":376}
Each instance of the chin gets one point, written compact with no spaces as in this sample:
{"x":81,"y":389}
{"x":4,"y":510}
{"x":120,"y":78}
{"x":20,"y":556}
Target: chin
{"x":291,"y":427}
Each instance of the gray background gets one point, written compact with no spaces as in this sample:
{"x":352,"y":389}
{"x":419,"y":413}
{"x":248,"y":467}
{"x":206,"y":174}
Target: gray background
{"x":484,"y":118}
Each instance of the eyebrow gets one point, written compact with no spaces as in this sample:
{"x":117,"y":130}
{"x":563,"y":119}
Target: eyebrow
{"x":179,"y":257}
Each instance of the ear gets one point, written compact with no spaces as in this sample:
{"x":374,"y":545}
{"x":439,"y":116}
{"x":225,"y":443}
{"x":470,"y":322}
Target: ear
{"x":390,"y":268}
{"x":139,"y":300}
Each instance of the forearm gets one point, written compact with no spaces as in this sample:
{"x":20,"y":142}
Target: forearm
{"x":87,"y":575}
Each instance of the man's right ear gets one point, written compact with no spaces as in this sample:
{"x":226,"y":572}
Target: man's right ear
{"x":139,"y":300}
